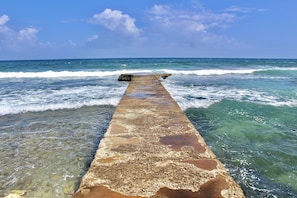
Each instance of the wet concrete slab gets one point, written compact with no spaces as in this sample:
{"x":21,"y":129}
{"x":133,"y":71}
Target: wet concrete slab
{"x":151,"y":149}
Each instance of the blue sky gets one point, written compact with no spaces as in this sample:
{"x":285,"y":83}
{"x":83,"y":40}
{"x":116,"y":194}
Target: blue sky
{"x":35,"y":29}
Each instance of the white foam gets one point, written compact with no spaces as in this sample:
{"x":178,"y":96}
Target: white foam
{"x":196,"y":96}
{"x":200,"y":72}
{"x":208,"y":72}
{"x":204,"y":96}
{"x":63,"y":74}
{"x":43,"y":100}
{"x":65,"y":105}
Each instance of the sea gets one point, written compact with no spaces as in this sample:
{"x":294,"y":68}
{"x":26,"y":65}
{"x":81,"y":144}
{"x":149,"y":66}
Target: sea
{"x":53,"y":114}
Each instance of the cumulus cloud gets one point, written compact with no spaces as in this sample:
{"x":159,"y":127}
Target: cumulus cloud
{"x":27,"y":34}
{"x":12,"y":39}
{"x":160,"y":10}
{"x":3,"y":19}
{"x":115,"y":20}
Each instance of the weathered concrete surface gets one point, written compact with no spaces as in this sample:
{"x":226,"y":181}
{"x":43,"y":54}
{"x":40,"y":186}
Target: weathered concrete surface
{"x":152,"y":150}
{"x":128,"y":77}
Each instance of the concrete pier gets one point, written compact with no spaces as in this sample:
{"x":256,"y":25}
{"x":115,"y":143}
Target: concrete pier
{"x":151,"y":149}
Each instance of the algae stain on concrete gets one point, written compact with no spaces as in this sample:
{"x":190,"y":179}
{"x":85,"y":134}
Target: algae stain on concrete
{"x":178,"y":141}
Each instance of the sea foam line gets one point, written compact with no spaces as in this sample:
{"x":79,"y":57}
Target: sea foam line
{"x":203,"y":97}
{"x":61,"y":74}
{"x":66,"y":98}
{"x":199,"y":72}
{"x":65,"y":74}
{"x":58,"y":106}
{"x":208,"y":72}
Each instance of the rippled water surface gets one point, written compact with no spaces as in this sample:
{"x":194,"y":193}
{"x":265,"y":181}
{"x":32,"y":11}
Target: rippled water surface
{"x":47,"y":153}
{"x":258,"y":148}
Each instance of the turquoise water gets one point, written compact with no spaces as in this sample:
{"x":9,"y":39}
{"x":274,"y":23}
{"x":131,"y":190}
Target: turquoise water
{"x":258,"y":147}
{"x":53,"y":114}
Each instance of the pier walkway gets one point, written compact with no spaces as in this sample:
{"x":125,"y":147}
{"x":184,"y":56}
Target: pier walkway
{"x":151,"y":149}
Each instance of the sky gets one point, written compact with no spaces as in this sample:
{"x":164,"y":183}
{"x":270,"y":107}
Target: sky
{"x":35,"y":29}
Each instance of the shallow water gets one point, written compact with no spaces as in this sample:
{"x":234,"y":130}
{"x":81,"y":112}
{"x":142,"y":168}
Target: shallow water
{"x":47,"y":153}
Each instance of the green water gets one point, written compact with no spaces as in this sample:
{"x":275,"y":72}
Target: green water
{"x":257,"y":143}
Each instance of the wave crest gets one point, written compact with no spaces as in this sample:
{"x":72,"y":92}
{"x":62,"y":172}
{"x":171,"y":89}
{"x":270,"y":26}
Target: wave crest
{"x":199,"y":72}
{"x":65,"y":74}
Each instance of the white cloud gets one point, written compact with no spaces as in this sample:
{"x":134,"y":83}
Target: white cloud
{"x":188,"y":21}
{"x":160,"y":10}
{"x":27,"y":34}
{"x":194,"y":27}
{"x":238,"y":9}
{"x":15,"y":40}
{"x":115,"y":20}
{"x":93,"y":38}
{"x":3,"y":19}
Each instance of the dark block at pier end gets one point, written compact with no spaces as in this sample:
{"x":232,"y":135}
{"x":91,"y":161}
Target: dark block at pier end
{"x":151,"y":149}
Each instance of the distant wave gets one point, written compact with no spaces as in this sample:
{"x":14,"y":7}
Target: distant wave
{"x":199,"y":72}
{"x":208,"y":72}
{"x":64,"y":74}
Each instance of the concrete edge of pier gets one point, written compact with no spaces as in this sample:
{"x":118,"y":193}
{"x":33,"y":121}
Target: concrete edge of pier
{"x":128,"y":77}
{"x":151,"y":149}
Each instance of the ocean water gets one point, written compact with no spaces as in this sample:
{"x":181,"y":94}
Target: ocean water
{"x":53,"y":114}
